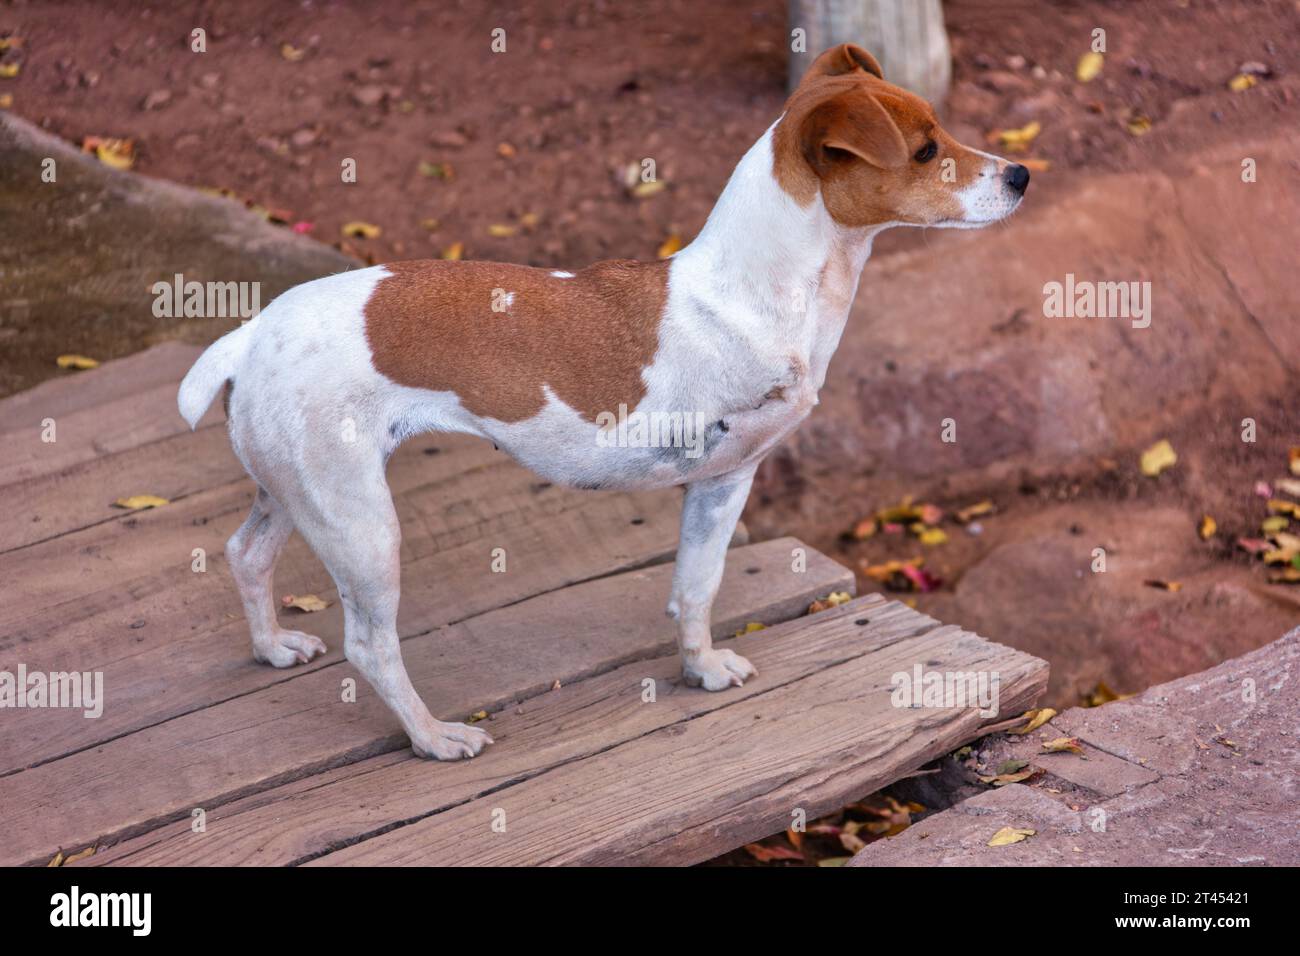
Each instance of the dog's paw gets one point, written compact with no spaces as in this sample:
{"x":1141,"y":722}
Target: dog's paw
{"x":442,"y":741}
{"x":287,"y":648}
{"x":718,"y":670}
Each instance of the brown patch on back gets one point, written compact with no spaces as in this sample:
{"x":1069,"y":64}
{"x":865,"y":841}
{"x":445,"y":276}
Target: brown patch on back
{"x":841,"y":133}
{"x":430,"y":324}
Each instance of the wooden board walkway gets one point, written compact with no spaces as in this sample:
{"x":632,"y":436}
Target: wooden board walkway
{"x":286,"y":771}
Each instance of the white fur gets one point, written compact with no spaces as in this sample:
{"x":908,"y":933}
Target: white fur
{"x":755,"y":308}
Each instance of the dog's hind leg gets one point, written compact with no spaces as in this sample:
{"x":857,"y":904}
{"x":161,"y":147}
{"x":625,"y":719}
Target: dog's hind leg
{"x":350,"y":522}
{"x":252,"y":552}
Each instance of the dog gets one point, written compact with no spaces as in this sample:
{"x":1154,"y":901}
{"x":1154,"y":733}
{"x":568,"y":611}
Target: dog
{"x":735,"y":331}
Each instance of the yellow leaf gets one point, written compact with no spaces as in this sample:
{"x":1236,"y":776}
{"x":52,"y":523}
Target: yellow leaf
{"x":1293,"y":460}
{"x":1173,"y":586}
{"x":57,"y":861}
{"x":1139,"y":124}
{"x":475,"y":717}
{"x":501,"y":230}
{"x":933,"y":536}
{"x":1275,"y":523}
{"x":1157,"y":458}
{"x":646,"y":190}
{"x":971,"y":512}
{"x":7,"y":42}
{"x":529,"y":220}
{"x":308,"y":603}
{"x":1036,"y":165}
{"x":360,"y":230}
{"x":291,"y":52}
{"x":117,"y":153}
{"x":1283,"y":507}
{"x":1088,"y":67}
{"x":1060,"y":744}
{"x":834,"y":599}
{"x":140,"y":502}
{"x":454,"y":251}
{"x":75,"y":361}
{"x":1208,"y":527}
{"x":1017,"y":140}
{"x":750,"y":628}
{"x":6,"y":100}
{"x":669,"y":246}
{"x":1009,"y":835}
{"x":833,"y":860}
{"x":1242,"y":82}
{"x":1036,"y":719}
{"x":88,"y":851}
{"x":9,"y":70}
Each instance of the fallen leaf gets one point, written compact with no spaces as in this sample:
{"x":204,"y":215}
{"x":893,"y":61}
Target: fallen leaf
{"x":1275,"y":523}
{"x":834,"y":599}
{"x":1242,"y":82}
{"x":307,"y":603}
{"x":9,"y":70}
{"x":1061,"y":744}
{"x":971,"y":512}
{"x":852,"y":842}
{"x":10,"y":43}
{"x":140,"y":502}
{"x":1138,"y":124}
{"x":442,"y":171}
{"x":430,"y":224}
{"x":644,"y":190}
{"x":1263,"y":490}
{"x":1102,"y":694}
{"x":1019,"y":776}
{"x":506,"y":151}
{"x":768,"y":854}
{"x":360,"y":230}
{"x":1036,"y":719}
{"x":750,"y":628}
{"x":1283,"y":507}
{"x":1009,"y":835}
{"x":75,"y":361}
{"x":669,"y":246}
{"x":1036,"y":165}
{"x":6,"y":101}
{"x":1012,"y":766}
{"x":302,"y":227}
{"x":87,"y":852}
{"x":1088,"y":67}
{"x":501,"y":230}
{"x":932,"y":536}
{"x":57,"y":861}
{"x":1174,"y":586}
{"x":834,"y":860}
{"x":1157,"y":458}
{"x":1289,"y":575}
{"x":454,"y":251}
{"x":291,"y":52}
{"x":866,"y":528}
{"x":1253,"y":545}
{"x":1016,"y":140}
{"x":475,"y":717}
{"x":117,"y":153}
{"x":1293,"y":460}
{"x":1208,"y":527}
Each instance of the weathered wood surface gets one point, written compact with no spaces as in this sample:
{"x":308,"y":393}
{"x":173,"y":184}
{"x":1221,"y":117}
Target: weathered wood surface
{"x":300,"y":725}
{"x":288,"y":772}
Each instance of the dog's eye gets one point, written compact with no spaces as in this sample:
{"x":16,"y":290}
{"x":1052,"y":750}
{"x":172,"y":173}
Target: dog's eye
{"x":926,"y":152}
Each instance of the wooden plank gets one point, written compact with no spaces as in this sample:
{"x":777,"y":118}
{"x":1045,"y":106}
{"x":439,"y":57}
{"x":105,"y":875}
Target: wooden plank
{"x":84,"y":435}
{"x":171,"y":644}
{"x":78,"y":391}
{"x":709,"y":783}
{"x":328,"y":811}
{"x":301,"y":726}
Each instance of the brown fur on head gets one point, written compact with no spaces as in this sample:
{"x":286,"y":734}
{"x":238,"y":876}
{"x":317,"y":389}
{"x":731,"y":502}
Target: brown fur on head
{"x":874,"y":151}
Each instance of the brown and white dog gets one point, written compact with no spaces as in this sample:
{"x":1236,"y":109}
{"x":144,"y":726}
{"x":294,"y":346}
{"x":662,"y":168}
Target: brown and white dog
{"x":734,"y":332}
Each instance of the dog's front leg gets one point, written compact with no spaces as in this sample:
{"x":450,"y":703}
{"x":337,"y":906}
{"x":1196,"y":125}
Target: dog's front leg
{"x":709,"y":515}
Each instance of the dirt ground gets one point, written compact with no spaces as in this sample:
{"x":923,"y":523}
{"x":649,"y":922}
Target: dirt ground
{"x":453,"y":142}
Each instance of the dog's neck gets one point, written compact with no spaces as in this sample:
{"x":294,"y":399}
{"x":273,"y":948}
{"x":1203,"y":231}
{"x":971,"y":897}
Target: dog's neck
{"x":792,"y":267}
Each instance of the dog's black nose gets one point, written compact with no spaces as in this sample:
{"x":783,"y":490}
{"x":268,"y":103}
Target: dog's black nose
{"x":1017,"y":177}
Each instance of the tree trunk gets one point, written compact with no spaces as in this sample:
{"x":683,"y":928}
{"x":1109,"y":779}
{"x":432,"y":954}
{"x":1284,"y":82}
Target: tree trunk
{"x":906,"y":36}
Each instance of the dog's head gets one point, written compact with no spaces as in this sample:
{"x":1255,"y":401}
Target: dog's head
{"x":877,"y":154}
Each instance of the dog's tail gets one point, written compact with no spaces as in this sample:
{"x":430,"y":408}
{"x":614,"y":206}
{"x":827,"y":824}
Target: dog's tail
{"x":214,"y":368}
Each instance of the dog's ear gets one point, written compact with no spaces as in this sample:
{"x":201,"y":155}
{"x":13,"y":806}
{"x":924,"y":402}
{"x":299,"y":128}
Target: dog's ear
{"x":845,"y":58}
{"x":852,"y":122}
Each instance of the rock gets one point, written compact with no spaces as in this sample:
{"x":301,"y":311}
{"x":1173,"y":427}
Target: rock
{"x":372,"y":94}
{"x":156,"y":100}
{"x":304,"y":137}
{"x":451,"y":139}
